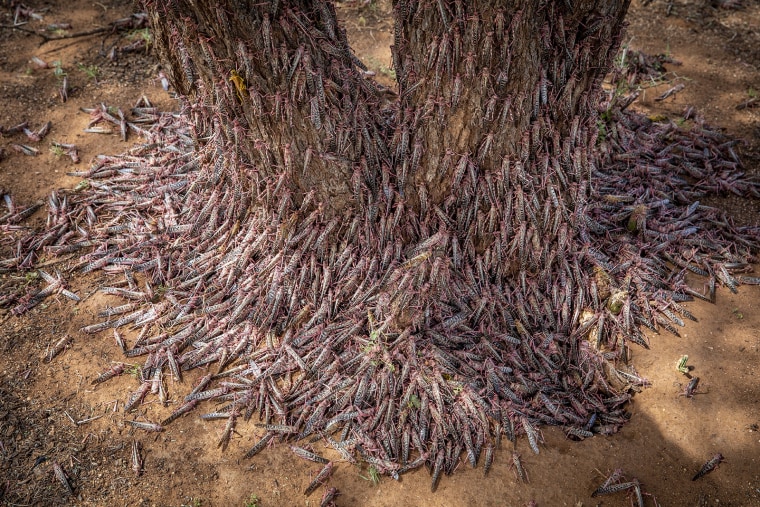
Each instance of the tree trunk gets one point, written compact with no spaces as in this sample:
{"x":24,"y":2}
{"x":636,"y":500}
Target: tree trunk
{"x":488,"y":85}
{"x":279,"y":89}
{"x":413,"y":258}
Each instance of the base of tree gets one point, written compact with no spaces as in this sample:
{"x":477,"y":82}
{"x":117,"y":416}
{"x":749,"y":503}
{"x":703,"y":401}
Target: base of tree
{"x":399,"y":355}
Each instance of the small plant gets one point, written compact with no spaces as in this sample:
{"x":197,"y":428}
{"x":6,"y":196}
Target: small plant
{"x":253,"y":501}
{"x":387,"y":71}
{"x":142,"y":34}
{"x":56,"y":150}
{"x":414,"y":401}
{"x":368,"y":347}
{"x":193,"y":502}
{"x":620,"y":59}
{"x":92,"y":71}
{"x":373,"y":475}
{"x":374,"y":336}
{"x":681,"y":365}
{"x":136,"y":372}
{"x":58,"y":69}
{"x":752,"y":93}
{"x":602,"y":126}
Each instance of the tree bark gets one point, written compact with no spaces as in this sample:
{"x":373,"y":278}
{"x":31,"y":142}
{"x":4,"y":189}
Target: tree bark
{"x":279,"y":89}
{"x":485,"y":85}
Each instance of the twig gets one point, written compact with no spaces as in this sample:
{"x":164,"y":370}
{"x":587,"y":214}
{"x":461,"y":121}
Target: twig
{"x":47,"y":39}
{"x":94,"y":31}
{"x":748,"y":103}
{"x":18,"y":27}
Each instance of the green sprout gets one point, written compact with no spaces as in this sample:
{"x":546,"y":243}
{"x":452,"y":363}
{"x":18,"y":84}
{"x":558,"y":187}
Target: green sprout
{"x":371,"y":343}
{"x":58,"y":69}
{"x":374,"y":335}
{"x":135,"y":371}
{"x":601,"y":125}
{"x":253,"y":501}
{"x":144,"y":34}
{"x":92,"y":71}
{"x":681,"y":365}
{"x":56,"y":150}
{"x":373,"y":475}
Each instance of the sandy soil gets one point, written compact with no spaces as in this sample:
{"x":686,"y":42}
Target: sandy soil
{"x":50,"y":409}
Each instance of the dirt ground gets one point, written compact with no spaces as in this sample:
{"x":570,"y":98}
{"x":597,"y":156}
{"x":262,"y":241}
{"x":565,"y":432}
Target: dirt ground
{"x":50,"y":409}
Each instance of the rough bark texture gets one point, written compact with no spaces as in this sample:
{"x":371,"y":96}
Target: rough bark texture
{"x":486,"y":85}
{"x":427,"y":275}
{"x":280,"y":90}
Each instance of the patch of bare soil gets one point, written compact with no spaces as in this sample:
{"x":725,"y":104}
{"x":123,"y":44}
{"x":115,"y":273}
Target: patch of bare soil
{"x":51,"y":414}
